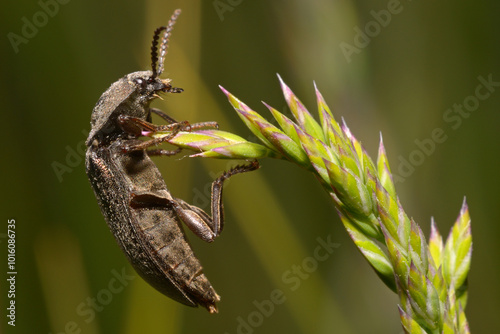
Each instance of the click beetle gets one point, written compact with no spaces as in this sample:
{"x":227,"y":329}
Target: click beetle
{"x":143,"y":216}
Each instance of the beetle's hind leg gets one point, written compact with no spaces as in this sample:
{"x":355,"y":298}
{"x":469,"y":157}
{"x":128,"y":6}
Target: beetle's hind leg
{"x":204,"y":226}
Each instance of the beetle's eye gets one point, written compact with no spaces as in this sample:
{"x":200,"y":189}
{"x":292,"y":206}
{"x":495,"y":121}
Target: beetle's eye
{"x":141,"y":82}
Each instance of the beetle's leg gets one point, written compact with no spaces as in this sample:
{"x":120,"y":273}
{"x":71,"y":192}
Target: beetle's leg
{"x":183,"y":126}
{"x":216,"y":197}
{"x":130,"y":125}
{"x":160,"y":113}
{"x":198,"y":221}
{"x":135,"y":126}
{"x":210,"y":125}
{"x":170,"y":120}
{"x":145,"y":144}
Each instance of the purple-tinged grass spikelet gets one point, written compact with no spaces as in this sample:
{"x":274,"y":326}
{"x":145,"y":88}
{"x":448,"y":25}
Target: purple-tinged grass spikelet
{"x":417,"y":248}
{"x":244,"y":151}
{"x":349,"y":189}
{"x":304,"y":119}
{"x":424,"y":298}
{"x":458,"y":249}
{"x":410,"y":326}
{"x":384,"y":171}
{"x":252,"y":121}
{"x":235,"y":102}
{"x":286,"y":124}
{"x":277,"y":139}
{"x":435,"y":244}
{"x":360,"y":233}
{"x":316,"y":153}
{"x":324,"y":112}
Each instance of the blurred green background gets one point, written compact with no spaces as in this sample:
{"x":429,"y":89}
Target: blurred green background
{"x":418,"y":63}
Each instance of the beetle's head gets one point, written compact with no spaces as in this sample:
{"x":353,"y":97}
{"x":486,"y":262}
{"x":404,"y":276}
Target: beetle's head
{"x":149,"y":87}
{"x":131,"y":94}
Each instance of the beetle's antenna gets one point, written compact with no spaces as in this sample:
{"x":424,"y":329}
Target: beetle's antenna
{"x":154,"y":50}
{"x":164,"y":41}
{"x":159,"y":57}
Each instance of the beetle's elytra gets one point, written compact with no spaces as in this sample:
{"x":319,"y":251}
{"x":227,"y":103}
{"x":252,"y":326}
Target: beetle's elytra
{"x":140,"y":211}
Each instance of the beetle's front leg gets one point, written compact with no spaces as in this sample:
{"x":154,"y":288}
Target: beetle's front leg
{"x":138,"y":127}
{"x":197,"y":220}
{"x":170,"y":120}
{"x":166,"y":117}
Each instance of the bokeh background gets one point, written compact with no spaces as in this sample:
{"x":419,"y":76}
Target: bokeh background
{"x":419,"y":63}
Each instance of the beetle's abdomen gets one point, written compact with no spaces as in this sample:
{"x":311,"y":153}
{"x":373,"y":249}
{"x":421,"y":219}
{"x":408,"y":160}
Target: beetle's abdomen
{"x":167,"y":242}
{"x":151,"y":237}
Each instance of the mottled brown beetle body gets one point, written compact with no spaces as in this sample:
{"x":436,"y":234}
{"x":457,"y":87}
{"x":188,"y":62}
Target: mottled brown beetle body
{"x":140,"y":211}
{"x":151,"y":237}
